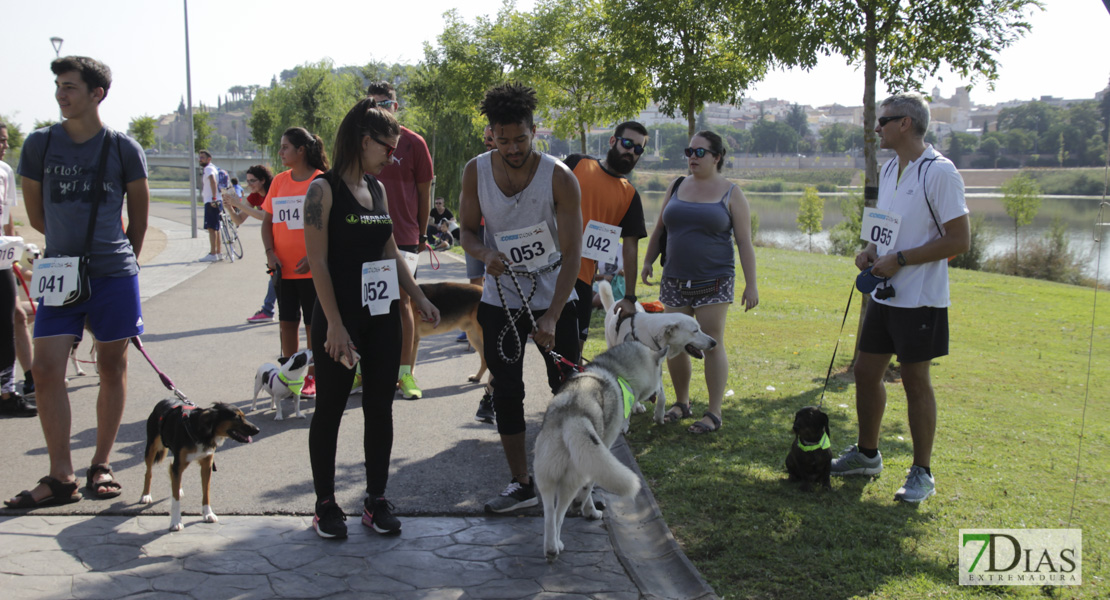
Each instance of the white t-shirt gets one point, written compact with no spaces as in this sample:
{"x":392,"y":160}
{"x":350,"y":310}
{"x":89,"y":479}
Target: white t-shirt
{"x":934,"y":177}
{"x":209,"y":180}
{"x":7,"y":194}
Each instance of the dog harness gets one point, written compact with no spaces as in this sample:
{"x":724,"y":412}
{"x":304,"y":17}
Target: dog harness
{"x":822,"y":444}
{"x":294,"y":385}
{"x":629,"y":398}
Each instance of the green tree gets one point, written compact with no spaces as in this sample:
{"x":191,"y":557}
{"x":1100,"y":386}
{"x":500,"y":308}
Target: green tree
{"x":959,"y":145}
{"x":811,"y":210}
{"x":202,"y":131}
{"x":768,"y":137}
{"x":142,"y":129}
{"x":991,"y":148}
{"x":262,"y":121}
{"x":39,"y":124}
{"x":15,"y":132}
{"x":834,"y":138}
{"x":798,"y":121}
{"x":1021,"y":197}
{"x":845,"y":235}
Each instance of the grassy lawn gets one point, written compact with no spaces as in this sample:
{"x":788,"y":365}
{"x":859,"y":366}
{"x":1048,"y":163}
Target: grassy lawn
{"x":1010,"y":402}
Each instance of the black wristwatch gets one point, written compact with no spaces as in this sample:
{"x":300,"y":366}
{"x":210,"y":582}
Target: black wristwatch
{"x":901,"y":260}
{"x":630,"y":297}
{"x":423,"y":239}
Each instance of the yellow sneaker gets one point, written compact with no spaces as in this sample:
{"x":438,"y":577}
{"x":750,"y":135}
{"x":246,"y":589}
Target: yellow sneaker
{"x":409,"y":389}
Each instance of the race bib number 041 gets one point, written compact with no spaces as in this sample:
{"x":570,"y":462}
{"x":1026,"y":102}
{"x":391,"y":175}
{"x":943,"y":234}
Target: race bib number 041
{"x":11,"y":250}
{"x":54,"y":279}
{"x":880,"y":227}
{"x":289,"y":210}
{"x":600,"y":242}
{"x":529,"y":247}
{"x":379,"y":285}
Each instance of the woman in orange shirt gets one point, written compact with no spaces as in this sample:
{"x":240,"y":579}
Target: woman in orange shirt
{"x":283,"y":238}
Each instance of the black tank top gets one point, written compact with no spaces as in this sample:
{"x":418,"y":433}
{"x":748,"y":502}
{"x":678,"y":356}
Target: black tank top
{"x":355,"y":235}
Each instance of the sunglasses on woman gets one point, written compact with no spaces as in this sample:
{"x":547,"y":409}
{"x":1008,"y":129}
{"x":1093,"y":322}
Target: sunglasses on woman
{"x":699,"y":152}
{"x":389,"y":150}
{"x":628,"y":144}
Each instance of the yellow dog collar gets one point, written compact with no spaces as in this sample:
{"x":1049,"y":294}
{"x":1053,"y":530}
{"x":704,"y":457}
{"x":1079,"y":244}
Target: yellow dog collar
{"x":294,"y":385}
{"x":821,"y":445}
{"x":628,"y":397}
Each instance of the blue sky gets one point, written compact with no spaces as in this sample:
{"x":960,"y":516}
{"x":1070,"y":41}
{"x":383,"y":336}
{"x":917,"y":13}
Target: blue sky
{"x":243,"y":42}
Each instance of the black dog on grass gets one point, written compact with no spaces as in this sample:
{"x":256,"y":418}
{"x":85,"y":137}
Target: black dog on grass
{"x":810,"y":460}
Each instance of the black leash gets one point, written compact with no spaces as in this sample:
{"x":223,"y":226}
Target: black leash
{"x":821,"y":404}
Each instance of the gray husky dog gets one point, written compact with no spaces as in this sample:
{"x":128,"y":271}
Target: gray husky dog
{"x":583,"y":420}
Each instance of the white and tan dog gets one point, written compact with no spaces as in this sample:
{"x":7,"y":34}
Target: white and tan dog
{"x":282,"y":381}
{"x":674,"y":332}
{"x":581,"y":423}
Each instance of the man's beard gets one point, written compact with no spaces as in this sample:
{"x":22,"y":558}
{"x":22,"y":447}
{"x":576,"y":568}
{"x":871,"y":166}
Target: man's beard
{"x":620,"y":162}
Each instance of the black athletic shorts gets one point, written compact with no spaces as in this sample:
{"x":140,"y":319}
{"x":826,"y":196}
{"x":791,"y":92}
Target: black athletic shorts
{"x":913,"y":334}
{"x":296,"y":297}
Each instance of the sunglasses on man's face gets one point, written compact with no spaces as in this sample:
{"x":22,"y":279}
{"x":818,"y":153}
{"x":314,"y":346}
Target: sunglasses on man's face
{"x":699,"y":152}
{"x":387,"y":104}
{"x":628,"y":144}
{"x":884,"y":120}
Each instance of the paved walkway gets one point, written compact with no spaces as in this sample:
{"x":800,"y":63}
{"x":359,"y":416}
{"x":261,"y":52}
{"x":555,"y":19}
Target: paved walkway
{"x":445,"y":465}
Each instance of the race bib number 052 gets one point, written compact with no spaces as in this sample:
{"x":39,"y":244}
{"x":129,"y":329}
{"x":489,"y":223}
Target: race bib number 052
{"x":54,"y":279}
{"x":379,"y":285}
{"x":289,"y":210}
{"x":880,"y":227}
{"x":529,"y":247}
{"x":600,"y":242}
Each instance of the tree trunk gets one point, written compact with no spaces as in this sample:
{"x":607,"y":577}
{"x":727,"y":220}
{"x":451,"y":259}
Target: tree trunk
{"x":870,"y":141}
{"x":582,"y":137}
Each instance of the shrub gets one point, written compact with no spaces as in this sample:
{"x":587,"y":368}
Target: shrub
{"x":981,"y":236}
{"x":844,"y":236}
{"x":1049,"y":258}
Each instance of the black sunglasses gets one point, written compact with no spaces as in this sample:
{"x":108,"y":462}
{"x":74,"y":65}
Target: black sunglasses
{"x":884,"y":120}
{"x":389,"y":150}
{"x":628,"y":144}
{"x":699,"y":152}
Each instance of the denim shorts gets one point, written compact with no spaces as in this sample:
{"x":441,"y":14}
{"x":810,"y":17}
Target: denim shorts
{"x":671,"y":292}
{"x":113,"y":311}
{"x":211,"y":217}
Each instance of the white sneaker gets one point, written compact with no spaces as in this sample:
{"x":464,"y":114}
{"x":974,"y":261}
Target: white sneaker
{"x":209,"y":258}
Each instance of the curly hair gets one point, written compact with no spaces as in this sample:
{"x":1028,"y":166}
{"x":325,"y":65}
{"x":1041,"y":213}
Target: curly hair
{"x":94,"y":73}
{"x":263,"y":174}
{"x":509,"y":104}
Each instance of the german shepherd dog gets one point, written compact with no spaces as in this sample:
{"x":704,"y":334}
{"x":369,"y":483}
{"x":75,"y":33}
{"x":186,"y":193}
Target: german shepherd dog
{"x":192,"y":434}
{"x":458,"y":309}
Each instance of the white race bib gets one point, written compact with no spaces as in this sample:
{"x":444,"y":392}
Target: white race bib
{"x":600,"y":242}
{"x":11,"y":250}
{"x":54,"y":279}
{"x":528,"y":248}
{"x":289,"y":210}
{"x":412,"y":259}
{"x":880,"y":227}
{"x":379,"y":285}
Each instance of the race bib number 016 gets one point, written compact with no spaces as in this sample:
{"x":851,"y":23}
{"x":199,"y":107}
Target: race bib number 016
{"x":600,"y":242}
{"x":412,"y":259}
{"x":54,"y":279}
{"x":880,"y":227}
{"x":379,"y":285}
{"x":11,"y":250}
{"x":289,"y":210}
{"x":529,"y":247}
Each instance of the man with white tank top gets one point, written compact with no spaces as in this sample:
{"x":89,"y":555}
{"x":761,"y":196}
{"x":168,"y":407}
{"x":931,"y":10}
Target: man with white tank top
{"x":533,"y":224}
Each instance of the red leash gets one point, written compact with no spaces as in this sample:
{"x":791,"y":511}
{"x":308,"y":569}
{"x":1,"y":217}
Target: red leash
{"x":166,"y":381}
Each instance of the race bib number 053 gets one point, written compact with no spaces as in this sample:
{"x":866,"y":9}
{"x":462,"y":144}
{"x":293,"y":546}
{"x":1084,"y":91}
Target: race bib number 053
{"x":54,"y":279}
{"x":600,"y":242}
{"x":529,"y":247}
{"x":289,"y":210}
{"x":880,"y":227}
{"x":379,"y":285}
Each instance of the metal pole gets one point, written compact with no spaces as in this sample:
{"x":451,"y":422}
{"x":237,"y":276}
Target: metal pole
{"x":192,"y":133}
{"x":57,"y":43}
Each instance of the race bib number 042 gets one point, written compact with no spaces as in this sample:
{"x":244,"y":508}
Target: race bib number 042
{"x":600,"y":242}
{"x":54,"y":279}
{"x":529,"y":247}
{"x":289,"y":210}
{"x":379,"y":285}
{"x":880,"y":227}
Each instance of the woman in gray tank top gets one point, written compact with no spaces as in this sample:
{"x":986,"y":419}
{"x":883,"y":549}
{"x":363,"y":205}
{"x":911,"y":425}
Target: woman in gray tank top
{"x":702,"y":215}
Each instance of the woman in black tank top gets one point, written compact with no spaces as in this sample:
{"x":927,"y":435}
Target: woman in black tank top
{"x":347,"y":228}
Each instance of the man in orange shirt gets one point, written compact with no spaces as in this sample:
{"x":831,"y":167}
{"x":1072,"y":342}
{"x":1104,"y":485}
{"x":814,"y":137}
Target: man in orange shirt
{"x":608,"y":199}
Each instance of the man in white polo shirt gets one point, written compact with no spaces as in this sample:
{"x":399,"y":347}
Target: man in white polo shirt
{"x":908,"y":315}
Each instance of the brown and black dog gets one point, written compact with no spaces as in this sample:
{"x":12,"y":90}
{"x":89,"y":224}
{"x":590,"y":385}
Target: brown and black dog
{"x":809,"y":459}
{"x":192,"y":434}
{"x":458,"y":310}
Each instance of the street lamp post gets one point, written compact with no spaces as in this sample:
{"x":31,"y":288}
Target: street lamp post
{"x":57,"y":43}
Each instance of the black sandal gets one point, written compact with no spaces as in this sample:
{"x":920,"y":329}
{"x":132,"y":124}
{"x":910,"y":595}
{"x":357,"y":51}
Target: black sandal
{"x":60,"y":493}
{"x":671,"y":417}
{"x":111,"y":488}
{"x":699,"y":428}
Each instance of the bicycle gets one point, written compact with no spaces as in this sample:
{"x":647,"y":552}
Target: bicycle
{"x":229,"y":235}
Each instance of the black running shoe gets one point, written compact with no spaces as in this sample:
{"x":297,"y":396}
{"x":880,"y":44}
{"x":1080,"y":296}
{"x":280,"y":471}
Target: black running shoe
{"x":17,"y":406}
{"x":377,"y":514}
{"x":485,"y":410}
{"x":329,"y":520}
{"x":516,"y":495}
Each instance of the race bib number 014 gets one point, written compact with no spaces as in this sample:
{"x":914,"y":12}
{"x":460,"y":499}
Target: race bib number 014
{"x":529,"y":247}
{"x":54,"y":279}
{"x":600,"y":242}
{"x":880,"y":227}
{"x":379,"y":285}
{"x":11,"y":250}
{"x":289,"y":210}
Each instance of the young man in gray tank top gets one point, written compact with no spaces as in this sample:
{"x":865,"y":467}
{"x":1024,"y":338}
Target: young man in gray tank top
{"x":517,"y":189}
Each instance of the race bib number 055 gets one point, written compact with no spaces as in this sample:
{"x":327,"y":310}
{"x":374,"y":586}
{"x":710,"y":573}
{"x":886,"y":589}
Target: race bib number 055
{"x":289,"y":210}
{"x":54,"y":279}
{"x":880,"y":227}
{"x":379,"y":285}
{"x":529,"y":247}
{"x":600,"y":242}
